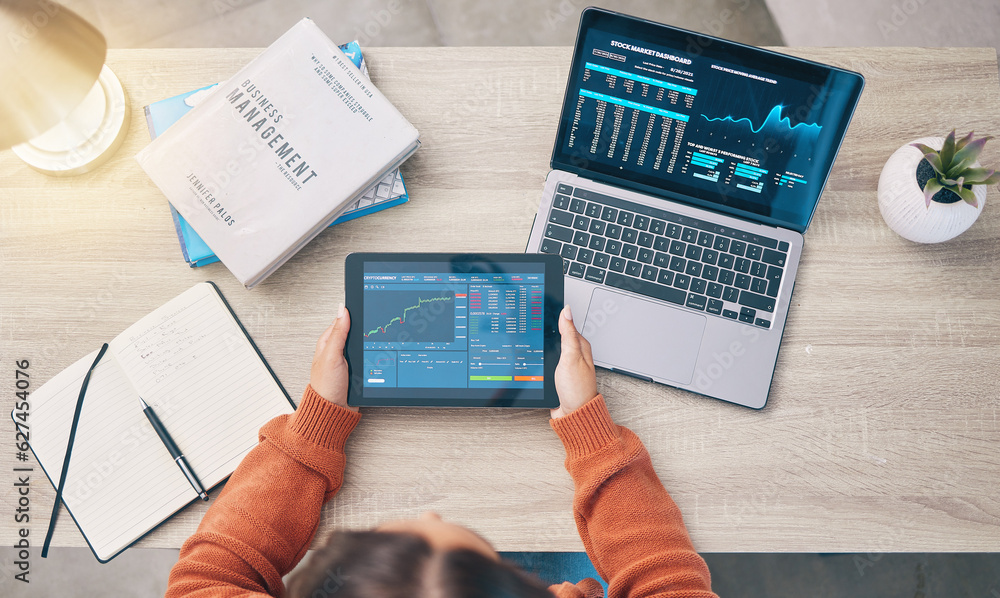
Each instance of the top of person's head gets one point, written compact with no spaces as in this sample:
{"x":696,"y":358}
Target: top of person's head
{"x":375,"y":564}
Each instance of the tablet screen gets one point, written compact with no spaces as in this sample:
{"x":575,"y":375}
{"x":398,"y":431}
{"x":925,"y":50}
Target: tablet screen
{"x":435,"y":331}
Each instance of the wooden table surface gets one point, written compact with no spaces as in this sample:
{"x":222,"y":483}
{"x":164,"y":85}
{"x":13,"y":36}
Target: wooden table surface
{"x":881,"y":432}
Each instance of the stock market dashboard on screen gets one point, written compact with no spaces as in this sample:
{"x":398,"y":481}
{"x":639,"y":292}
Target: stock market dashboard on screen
{"x":438,"y":332}
{"x":704,"y":120}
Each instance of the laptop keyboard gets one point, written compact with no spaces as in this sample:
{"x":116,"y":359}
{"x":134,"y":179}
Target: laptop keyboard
{"x":700,"y":265}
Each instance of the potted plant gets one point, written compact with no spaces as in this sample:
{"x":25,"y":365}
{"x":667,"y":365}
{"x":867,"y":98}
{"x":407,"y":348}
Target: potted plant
{"x":933,"y":189}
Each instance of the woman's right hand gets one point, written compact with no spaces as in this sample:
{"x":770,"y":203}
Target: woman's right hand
{"x":329,"y":373}
{"x":576,"y":380}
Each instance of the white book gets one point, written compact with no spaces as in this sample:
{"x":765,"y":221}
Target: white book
{"x":278,"y":152}
{"x":193,"y":363}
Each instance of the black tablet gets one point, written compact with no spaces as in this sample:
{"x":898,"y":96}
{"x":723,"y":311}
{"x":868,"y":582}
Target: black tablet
{"x":453,"y":330}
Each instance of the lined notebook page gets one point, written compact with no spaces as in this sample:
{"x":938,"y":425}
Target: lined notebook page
{"x":192,"y":363}
{"x":112,"y":449}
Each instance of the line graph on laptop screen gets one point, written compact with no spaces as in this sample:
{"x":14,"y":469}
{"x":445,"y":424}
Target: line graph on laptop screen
{"x":716,"y":130}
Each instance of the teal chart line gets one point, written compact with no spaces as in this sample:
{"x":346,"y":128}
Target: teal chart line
{"x":774,"y":118}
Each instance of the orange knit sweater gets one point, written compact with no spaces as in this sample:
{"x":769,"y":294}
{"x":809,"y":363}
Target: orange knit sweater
{"x":261,"y":524}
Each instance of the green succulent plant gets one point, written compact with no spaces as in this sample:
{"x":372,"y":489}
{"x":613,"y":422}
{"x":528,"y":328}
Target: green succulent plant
{"x":953,"y":168}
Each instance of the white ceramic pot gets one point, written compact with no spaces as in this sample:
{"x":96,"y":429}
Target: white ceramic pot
{"x":902,"y":204}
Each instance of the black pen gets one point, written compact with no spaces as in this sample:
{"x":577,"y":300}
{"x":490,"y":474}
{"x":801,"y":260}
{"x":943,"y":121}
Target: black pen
{"x":174,"y":451}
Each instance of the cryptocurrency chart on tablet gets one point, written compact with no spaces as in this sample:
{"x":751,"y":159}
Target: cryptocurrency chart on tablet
{"x":440,"y":330}
{"x":704,"y":123}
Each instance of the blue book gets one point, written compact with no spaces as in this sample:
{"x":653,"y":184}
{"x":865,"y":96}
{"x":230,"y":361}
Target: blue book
{"x":387,"y":192}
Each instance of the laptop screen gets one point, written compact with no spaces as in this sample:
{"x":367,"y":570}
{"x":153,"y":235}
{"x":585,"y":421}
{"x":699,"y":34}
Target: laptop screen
{"x":702,"y":120}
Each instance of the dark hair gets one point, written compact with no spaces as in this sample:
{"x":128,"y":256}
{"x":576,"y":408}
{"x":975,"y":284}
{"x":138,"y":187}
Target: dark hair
{"x":399,"y":565}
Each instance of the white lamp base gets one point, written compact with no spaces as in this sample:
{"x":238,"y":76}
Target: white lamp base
{"x":86,"y":138}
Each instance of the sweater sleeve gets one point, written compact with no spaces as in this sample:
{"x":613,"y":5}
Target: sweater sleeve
{"x":631,"y":528}
{"x":266,"y":516}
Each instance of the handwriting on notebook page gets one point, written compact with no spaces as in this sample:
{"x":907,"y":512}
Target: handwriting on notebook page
{"x":180,"y":340}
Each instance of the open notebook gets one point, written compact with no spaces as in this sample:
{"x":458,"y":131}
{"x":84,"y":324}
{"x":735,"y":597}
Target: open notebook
{"x":195,"y":365}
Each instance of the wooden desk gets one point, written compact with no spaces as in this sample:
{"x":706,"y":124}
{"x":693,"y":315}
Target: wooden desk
{"x":882,"y":430}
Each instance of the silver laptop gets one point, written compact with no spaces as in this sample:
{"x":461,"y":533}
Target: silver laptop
{"x":685,"y":170}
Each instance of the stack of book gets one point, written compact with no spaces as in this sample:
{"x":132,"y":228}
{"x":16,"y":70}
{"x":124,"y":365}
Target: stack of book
{"x":257,"y":166}
{"x":390,"y":190}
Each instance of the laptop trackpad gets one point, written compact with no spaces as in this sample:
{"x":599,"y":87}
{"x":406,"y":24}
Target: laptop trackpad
{"x":643,"y":337}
